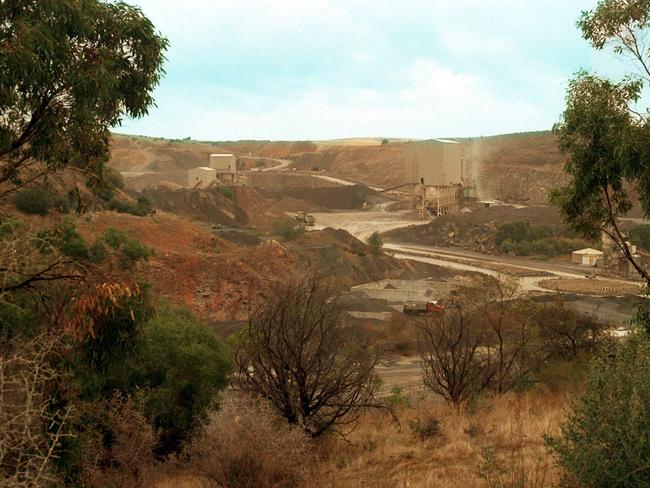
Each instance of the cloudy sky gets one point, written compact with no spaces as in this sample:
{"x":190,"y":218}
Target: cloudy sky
{"x":323,"y":69}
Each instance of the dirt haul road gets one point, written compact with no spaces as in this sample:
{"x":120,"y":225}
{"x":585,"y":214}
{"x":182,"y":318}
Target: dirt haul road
{"x":406,"y":372}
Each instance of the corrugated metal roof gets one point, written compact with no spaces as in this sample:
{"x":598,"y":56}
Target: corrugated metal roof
{"x":222,"y":155}
{"x":589,"y":250}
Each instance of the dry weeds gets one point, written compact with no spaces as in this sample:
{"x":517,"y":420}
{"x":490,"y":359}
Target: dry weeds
{"x":495,"y":444}
{"x":498,"y":443}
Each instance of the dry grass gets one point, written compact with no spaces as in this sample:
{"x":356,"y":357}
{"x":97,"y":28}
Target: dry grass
{"x":496,"y":444}
{"x":502,"y":435}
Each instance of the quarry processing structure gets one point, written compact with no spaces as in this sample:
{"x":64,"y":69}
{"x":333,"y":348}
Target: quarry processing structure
{"x":222,"y":168}
{"x":435,"y":170}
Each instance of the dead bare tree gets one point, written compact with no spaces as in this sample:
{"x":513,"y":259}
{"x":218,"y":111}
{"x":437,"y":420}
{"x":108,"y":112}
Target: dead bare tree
{"x":508,"y":328}
{"x":298,"y":353}
{"x":31,"y":430}
{"x":483,"y":340}
{"x":453,"y":364}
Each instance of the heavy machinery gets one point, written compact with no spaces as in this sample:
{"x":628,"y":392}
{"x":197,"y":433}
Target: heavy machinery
{"x":305,"y":218}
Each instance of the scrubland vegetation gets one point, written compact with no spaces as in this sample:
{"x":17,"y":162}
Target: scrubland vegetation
{"x":104,"y":385}
{"x":522,"y":238}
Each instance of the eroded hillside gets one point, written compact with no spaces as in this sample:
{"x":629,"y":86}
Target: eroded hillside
{"x":513,"y":168}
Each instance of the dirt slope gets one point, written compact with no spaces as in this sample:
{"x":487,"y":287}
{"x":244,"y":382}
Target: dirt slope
{"x":475,"y":230}
{"x":513,"y":167}
{"x":223,"y":281}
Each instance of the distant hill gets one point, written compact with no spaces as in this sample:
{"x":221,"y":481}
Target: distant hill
{"x":511,"y":167}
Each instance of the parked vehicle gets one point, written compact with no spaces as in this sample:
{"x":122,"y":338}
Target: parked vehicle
{"x":423,"y":308}
{"x":305,"y":218}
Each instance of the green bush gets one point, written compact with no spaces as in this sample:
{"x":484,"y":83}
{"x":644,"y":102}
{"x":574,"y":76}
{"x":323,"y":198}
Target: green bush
{"x":115,"y":238}
{"x":130,"y":249}
{"x":98,"y":252}
{"x":520,"y":231}
{"x":133,"y":251}
{"x":69,"y":242}
{"x":547,"y":246}
{"x":640,"y":236}
{"x":287,"y":229}
{"x":141,"y":208}
{"x":33,"y":201}
{"x":180,"y":365}
{"x":376,"y":242}
{"x":226,"y":192}
{"x":605,"y":440}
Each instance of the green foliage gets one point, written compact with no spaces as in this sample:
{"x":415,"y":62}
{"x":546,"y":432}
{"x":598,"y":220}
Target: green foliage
{"x":98,"y":252}
{"x":226,"y":192}
{"x":18,"y":318}
{"x":598,"y":134}
{"x":604,"y":132}
{"x":141,"y":208}
{"x":287,"y":229}
{"x":180,"y":365}
{"x":133,"y":251}
{"x":525,"y":239}
{"x":640,"y":236}
{"x":33,"y":201}
{"x":376,"y":242}
{"x":397,"y":398}
{"x":384,"y":142}
{"x":130,"y":250}
{"x":103,"y":349}
{"x":115,"y":238}
{"x":69,"y":242}
{"x":103,"y":58}
{"x":605,"y":438}
{"x":519,"y":231}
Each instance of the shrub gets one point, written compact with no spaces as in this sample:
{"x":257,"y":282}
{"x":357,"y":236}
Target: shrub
{"x":376,"y":242}
{"x":180,"y":365}
{"x":115,"y":238}
{"x":33,"y":201}
{"x":245,"y":444}
{"x":98,"y":252}
{"x":397,"y":398}
{"x":425,"y":429}
{"x":519,"y":231}
{"x":287,"y":229}
{"x":118,"y":443}
{"x":69,"y":242}
{"x":226,"y":192}
{"x":640,"y":236}
{"x":30,"y":430}
{"x":605,"y":438}
{"x":141,"y":208}
{"x":133,"y":251}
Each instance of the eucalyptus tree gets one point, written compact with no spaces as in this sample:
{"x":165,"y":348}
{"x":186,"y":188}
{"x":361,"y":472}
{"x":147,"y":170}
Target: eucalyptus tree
{"x":603,"y":131}
{"x":70,"y":70}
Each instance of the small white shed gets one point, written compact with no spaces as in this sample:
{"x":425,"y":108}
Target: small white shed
{"x":587,"y":257}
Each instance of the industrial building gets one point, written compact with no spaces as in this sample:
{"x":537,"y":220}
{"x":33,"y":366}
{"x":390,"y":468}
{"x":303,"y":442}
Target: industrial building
{"x":435,"y":170}
{"x":437,"y":162}
{"x":225,"y":166}
{"x":222,"y":168}
{"x":201,"y":177}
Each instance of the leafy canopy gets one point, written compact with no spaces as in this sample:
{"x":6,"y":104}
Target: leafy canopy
{"x":71,"y":69}
{"x":606,"y":139}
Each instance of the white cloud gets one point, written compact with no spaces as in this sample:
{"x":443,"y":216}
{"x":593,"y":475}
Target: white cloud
{"x":434,"y":102}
